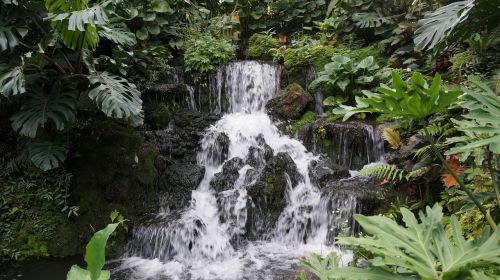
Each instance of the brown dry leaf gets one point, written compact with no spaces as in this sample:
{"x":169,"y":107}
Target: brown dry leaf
{"x":456,"y":167}
{"x":392,"y":136}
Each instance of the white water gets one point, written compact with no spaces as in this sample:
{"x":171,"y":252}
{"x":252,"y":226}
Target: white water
{"x":207,"y":240}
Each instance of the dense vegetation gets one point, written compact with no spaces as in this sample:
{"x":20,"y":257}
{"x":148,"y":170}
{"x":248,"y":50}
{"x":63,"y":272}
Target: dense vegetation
{"x":72,"y":71}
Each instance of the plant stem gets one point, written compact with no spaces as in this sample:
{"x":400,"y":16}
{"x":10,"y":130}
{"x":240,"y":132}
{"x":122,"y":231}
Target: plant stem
{"x":462,"y":185}
{"x":493,"y":172}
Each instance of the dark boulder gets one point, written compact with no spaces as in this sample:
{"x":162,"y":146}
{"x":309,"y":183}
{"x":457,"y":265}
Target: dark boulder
{"x":290,"y":103}
{"x":225,"y":179}
{"x":280,"y":170}
{"x":178,"y":180}
{"x":322,"y":171}
{"x":258,"y":155}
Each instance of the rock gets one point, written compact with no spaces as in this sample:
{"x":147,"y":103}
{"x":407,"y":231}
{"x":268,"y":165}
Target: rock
{"x":349,"y":144}
{"x":367,"y":191}
{"x":279,"y":169}
{"x":323,"y":170}
{"x":291,"y":102}
{"x":258,"y":155}
{"x":406,"y":152}
{"x":225,"y":179}
{"x":178,"y":180}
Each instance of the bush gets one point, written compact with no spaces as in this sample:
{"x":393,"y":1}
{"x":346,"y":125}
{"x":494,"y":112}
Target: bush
{"x":205,"y":53}
{"x":261,"y":46}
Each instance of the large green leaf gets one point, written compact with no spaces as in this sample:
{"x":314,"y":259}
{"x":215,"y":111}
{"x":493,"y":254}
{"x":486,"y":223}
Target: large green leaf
{"x":57,"y":107}
{"x":416,"y":100}
{"x":76,"y":22}
{"x":424,"y":248}
{"x":96,"y":250}
{"x":78,"y":273}
{"x":10,"y":36}
{"x":434,"y":27}
{"x":12,"y":81}
{"x":115,"y":96}
{"x":47,"y":155}
{"x":118,"y":32}
{"x":481,"y":126}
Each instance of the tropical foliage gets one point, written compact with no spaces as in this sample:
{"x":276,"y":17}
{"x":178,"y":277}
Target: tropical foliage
{"x":425,"y":249}
{"x":413,"y":101}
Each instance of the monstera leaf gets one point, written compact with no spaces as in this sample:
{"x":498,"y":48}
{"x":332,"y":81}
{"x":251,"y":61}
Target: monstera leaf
{"x":46,"y":154}
{"x":118,"y":32}
{"x":10,"y":36}
{"x":57,"y":108}
{"x":115,"y":96}
{"x":12,"y":80}
{"x":76,"y":22}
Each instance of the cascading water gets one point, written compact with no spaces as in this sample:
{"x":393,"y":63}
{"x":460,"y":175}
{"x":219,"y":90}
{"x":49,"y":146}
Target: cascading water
{"x":209,"y":239}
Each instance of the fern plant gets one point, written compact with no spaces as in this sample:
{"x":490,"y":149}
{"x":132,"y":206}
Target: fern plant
{"x":418,"y":250}
{"x":392,"y":136}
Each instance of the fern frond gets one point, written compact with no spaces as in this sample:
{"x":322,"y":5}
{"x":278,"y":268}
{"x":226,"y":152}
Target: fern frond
{"x":419,"y":172}
{"x":427,"y":152}
{"x":383,"y":171}
{"x":436,"y":130}
{"x":392,"y":136}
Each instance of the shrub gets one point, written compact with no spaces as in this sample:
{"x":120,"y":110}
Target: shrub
{"x":413,"y":101}
{"x":349,"y":76}
{"x":261,"y":46}
{"x":205,"y":53}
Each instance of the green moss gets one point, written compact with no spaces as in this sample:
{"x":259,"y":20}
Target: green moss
{"x":375,"y":50}
{"x":293,"y":59}
{"x":261,"y":46}
{"x":459,"y":61}
{"x":65,"y":242}
{"x":307,"y":117}
{"x":162,"y":115}
{"x":321,"y":55}
{"x":147,"y":172}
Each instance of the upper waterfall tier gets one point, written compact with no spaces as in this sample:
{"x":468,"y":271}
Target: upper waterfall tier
{"x":243,"y":86}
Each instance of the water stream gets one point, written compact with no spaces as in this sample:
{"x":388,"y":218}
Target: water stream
{"x":210,"y":239}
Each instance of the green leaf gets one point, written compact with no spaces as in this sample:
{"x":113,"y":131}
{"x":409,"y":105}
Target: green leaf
{"x":434,"y":27}
{"x":12,"y":81}
{"x":47,"y":155}
{"x":57,"y":108}
{"x":366,"y":62}
{"x":10,"y":36}
{"x":115,"y":96}
{"x":118,"y":32}
{"x":78,"y":273}
{"x":142,"y":33}
{"x":96,"y":250}
{"x":160,"y":6}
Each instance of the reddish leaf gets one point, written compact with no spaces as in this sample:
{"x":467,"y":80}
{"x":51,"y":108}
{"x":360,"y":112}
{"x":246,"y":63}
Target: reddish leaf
{"x":457,"y":167}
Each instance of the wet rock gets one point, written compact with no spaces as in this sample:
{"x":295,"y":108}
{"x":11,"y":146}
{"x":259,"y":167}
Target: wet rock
{"x":367,"y":191}
{"x":323,"y":170}
{"x":178,"y":180}
{"x":406,"y":152}
{"x":225,"y":179}
{"x":349,"y":144}
{"x":290,"y":103}
{"x":181,"y":141}
{"x":278,"y":173}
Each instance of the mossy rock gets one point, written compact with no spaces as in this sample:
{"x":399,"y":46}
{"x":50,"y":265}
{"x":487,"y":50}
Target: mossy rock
{"x":260,"y":46}
{"x":275,"y":180}
{"x":291,"y":102}
{"x":66,"y":241}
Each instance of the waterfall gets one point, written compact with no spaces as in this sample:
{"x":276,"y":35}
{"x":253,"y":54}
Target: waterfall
{"x":210,"y":238}
{"x":311,"y":75}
